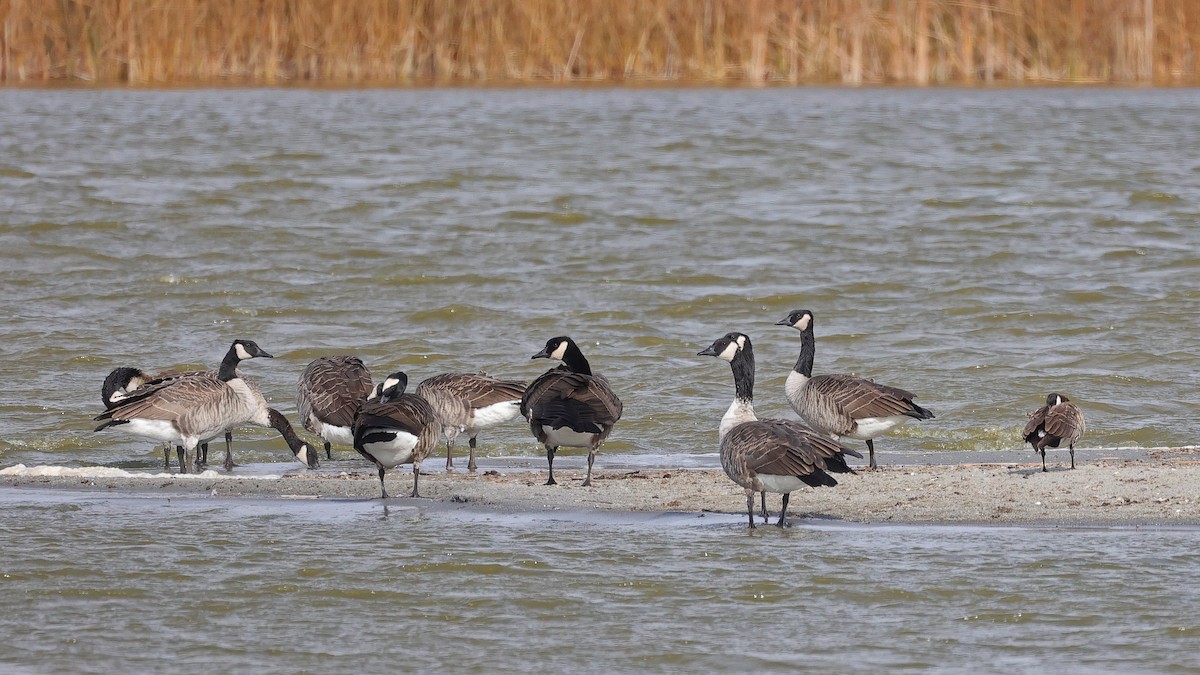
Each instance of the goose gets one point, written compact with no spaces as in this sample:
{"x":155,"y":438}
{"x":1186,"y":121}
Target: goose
{"x":469,"y":403}
{"x":329,"y":392}
{"x":843,"y":405}
{"x":568,"y":405}
{"x":394,"y":428}
{"x":768,"y":455}
{"x":1051,"y":425}
{"x":121,"y":382}
{"x":185,"y":410}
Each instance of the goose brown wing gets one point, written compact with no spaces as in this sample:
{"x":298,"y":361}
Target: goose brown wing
{"x":860,"y":398}
{"x":560,"y":393}
{"x":542,"y":389}
{"x":476,"y":390}
{"x":606,"y":404}
{"x":480,"y":391}
{"x":771,"y":448}
{"x":170,"y":400}
{"x":1065,"y":421}
{"x":408,"y":413}
{"x":332,"y":389}
{"x":1037,"y":419}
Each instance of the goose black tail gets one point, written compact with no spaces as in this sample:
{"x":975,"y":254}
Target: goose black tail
{"x":919,"y":413}
{"x":837,"y":464}
{"x":818,"y":478}
{"x":110,"y":423}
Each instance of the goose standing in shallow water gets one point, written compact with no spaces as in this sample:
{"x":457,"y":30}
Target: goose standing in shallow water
{"x":569,"y":405}
{"x":843,"y":405}
{"x":186,"y":410}
{"x":1059,"y":421}
{"x":469,"y":403}
{"x":329,"y":392}
{"x":769,"y":455}
{"x":123,"y":381}
{"x":395,"y":428}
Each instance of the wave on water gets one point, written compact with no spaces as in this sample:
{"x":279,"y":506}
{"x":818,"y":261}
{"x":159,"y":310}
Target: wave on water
{"x":109,"y":472}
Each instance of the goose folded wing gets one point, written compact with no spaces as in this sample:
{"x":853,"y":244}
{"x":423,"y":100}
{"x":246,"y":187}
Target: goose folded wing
{"x":169,"y":401}
{"x":161,"y":381}
{"x":566,"y":412}
{"x":823,"y":446}
{"x":1064,"y":420}
{"x":480,"y":391}
{"x":773,"y":449}
{"x":334,"y":404}
{"x":1036,"y":419}
{"x":600,"y":397}
{"x":411,"y":414}
{"x":861,"y":398}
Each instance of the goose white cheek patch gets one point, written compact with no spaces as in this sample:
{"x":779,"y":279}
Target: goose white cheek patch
{"x":241,"y":352}
{"x":560,"y":351}
{"x":729,"y":352}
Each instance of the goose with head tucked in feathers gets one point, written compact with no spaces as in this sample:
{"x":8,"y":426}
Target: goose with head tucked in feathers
{"x":394,"y":428}
{"x":767,"y":455}
{"x":1059,"y":421}
{"x":569,"y":405}
{"x":843,"y":405}
{"x":469,"y":403}
{"x":186,"y":410}
{"x":121,"y":382}
{"x":328,"y":394}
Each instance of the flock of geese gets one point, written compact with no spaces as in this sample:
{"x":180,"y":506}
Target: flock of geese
{"x":568,"y":405}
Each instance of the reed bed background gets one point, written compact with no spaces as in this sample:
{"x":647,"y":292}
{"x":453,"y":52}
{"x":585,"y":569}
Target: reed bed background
{"x":161,"y":42}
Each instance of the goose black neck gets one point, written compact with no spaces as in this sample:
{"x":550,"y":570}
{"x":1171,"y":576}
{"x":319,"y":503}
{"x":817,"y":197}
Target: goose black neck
{"x":573,"y":358}
{"x":743,"y":373}
{"x":808,"y":351}
{"x":279,"y":423}
{"x":229,"y":365}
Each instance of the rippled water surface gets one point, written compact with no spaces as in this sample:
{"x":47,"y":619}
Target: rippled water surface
{"x":190,"y":585}
{"x":979,"y":248}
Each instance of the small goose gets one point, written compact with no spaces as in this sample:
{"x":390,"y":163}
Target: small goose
{"x":568,"y":405}
{"x":395,"y":428}
{"x":185,"y":410}
{"x":769,"y":455}
{"x":121,"y":382}
{"x":843,"y":405}
{"x":329,"y":392}
{"x":1051,"y":425}
{"x":470,"y":403}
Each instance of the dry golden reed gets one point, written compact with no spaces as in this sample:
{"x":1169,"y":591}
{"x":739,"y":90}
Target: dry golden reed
{"x":613,"y":41}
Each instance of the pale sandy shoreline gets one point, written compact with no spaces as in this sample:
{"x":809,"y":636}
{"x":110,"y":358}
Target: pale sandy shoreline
{"x":1154,"y":489}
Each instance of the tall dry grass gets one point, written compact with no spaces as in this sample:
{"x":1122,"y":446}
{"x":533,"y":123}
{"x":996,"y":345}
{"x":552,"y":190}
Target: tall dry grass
{"x":616,"y":41}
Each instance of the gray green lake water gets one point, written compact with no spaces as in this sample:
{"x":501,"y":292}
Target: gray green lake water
{"x":979,"y":248}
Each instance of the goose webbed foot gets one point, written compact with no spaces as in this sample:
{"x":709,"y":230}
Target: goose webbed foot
{"x":471,"y":462}
{"x":783,"y":511}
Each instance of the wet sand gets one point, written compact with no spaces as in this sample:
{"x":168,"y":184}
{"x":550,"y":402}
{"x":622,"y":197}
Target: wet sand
{"x":1159,"y":487}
